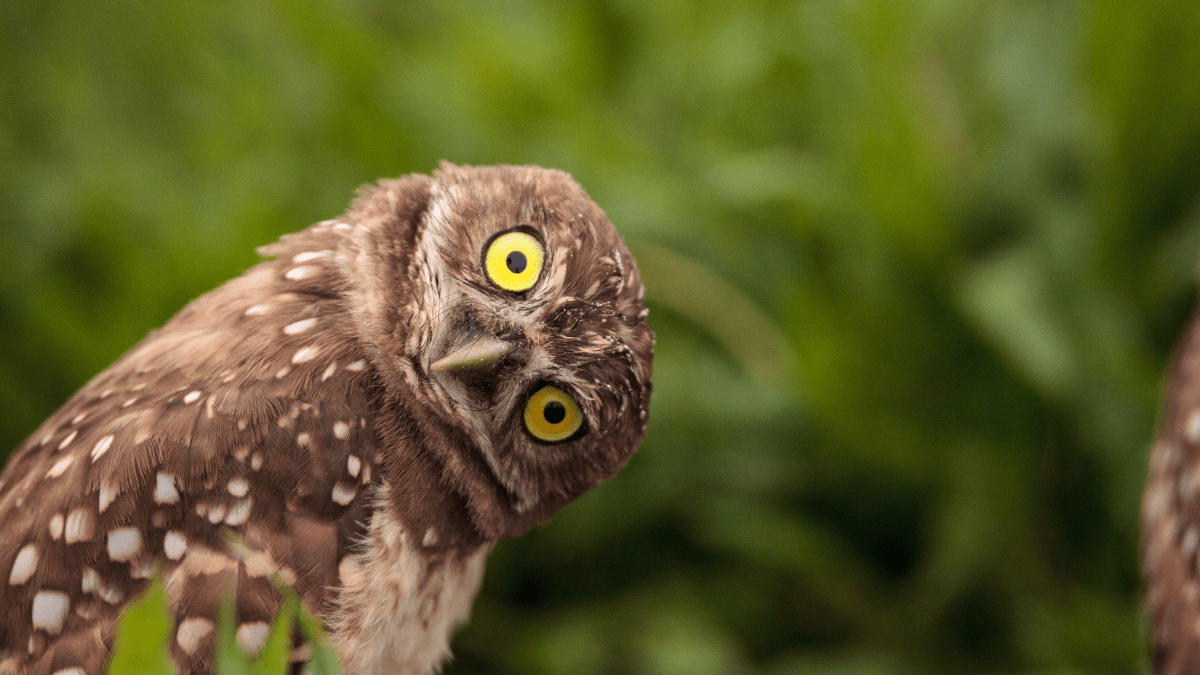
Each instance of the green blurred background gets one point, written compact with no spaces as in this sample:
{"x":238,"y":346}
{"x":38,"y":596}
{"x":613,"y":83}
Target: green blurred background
{"x":915,"y":270}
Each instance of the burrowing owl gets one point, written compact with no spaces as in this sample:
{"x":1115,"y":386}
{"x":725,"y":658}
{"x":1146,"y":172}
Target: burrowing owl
{"x":1171,"y":520}
{"x":447,"y":364}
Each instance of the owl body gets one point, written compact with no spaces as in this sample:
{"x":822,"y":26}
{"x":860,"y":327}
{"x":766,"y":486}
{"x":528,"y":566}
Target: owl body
{"x":362,"y":417}
{"x":1171,"y":519}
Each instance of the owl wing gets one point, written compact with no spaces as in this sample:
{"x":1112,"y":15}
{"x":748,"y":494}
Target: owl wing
{"x":249,"y":413}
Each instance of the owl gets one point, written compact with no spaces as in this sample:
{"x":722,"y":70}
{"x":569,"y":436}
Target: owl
{"x":362,"y":416}
{"x":1170,"y":520}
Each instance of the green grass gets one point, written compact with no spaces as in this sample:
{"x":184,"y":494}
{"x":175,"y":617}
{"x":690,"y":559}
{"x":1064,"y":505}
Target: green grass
{"x":146,"y":628}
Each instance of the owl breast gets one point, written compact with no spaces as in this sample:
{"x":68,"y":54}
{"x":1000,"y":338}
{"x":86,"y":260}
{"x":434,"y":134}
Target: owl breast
{"x":397,"y":608}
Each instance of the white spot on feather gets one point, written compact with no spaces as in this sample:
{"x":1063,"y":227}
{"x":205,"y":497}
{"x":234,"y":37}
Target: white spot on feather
{"x":300,"y":326}
{"x":257,"y":564}
{"x":344,"y":494}
{"x":1192,"y":426}
{"x":24,"y":566}
{"x":67,"y":441}
{"x":73,"y":670}
{"x":91,"y":581}
{"x":1155,"y":502}
{"x":143,"y":433}
{"x":329,"y":371}
{"x":288,"y":575}
{"x":298,"y":273}
{"x":311,"y":255}
{"x":108,"y":492}
{"x":306,"y":354}
{"x":102,"y":447}
{"x":1190,"y":539}
{"x":257,"y":309}
{"x":60,"y":467}
{"x":165,"y":491}
{"x":252,"y":636}
{"x":78,"y":418}
{"x":124,"y":543}
{"x":238,"y":487}
{"x":353,"y":464}
{"x":81,"y":526}
{"x":303,"y":439}
{"x":239,"y":513}
{"x":56,"y":526}
{"x":50,"y":611}
{"x":357,"y":366}
{"x":341,"y":430}
{"x":192,"y":396}
{"x":192,"y":632}
{"x":174,"y":545}
{"x":348,"y":570}
{"x":217,"y":513}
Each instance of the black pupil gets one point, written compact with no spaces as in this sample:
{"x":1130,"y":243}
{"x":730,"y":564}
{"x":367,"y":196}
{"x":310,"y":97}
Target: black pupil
{"x":516,"y":262}
{"x":554,"y":412}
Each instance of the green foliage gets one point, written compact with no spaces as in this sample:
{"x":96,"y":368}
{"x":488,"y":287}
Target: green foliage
{"x":231,"y":659}
{"x":146,"y":628}
{"x":915,"y":270}
{"x":143,"y":634}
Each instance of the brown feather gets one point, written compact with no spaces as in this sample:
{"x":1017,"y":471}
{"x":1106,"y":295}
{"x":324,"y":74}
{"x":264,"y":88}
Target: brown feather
{"x":1171,"y":519}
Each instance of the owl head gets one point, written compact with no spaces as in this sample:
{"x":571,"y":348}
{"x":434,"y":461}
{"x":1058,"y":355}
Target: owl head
{"x":506,"y":318}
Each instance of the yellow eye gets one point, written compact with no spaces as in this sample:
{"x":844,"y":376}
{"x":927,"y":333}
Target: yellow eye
{"x":513,"y":261}
{"x":551,"y":415}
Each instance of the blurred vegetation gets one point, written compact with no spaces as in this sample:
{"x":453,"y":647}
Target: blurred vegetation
{"x":915,"y":270}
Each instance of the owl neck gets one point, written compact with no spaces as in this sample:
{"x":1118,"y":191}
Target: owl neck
{"x":431,"y":483}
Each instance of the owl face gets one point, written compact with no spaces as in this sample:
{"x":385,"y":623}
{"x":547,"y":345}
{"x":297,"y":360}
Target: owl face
{"x":525,"y":338}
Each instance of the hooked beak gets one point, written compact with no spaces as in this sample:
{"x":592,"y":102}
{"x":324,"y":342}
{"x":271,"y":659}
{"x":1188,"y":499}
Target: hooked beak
{"x":481,"y":354}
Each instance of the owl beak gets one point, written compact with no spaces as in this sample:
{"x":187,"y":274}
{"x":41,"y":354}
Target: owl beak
{"x":480,"y":354}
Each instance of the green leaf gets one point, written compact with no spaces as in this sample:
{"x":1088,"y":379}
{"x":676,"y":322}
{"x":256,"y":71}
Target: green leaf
{"x":324,"y":660}
{"x":142,"y":635}
{"x":230,"y":658}
{"x":274,"y":656}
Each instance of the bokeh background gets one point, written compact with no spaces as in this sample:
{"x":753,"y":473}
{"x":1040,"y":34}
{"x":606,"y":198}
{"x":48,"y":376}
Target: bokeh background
{"x":915,"y":268}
